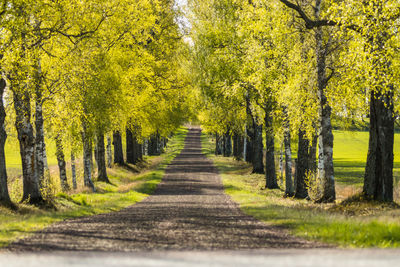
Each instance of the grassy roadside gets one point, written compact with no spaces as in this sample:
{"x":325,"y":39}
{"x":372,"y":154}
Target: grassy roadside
{"x":362,"y":225}
{"x":126,"y":188}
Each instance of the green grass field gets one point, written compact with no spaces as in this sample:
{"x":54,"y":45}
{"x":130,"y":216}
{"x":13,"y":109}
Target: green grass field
{"x":360,"y":225}
{"x":127,"y":187}
{"x":13,"y":158}
{"x":350,"y":154}
{"x":350,"y":150}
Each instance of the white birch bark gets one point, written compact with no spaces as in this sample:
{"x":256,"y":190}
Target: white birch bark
{"x":73,"y":171}
{"x":325,"y":159}
{"x":109,"y":152}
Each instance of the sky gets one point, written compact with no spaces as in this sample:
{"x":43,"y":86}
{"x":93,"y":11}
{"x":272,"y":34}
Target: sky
{"x":183,"y":22}
{"x":181,"y":2}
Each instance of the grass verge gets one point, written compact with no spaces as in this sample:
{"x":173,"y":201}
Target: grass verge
{"x":356,"y":225}
{"x":127,"y":187}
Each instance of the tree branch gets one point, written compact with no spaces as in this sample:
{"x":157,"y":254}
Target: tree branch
{"x":310,"y":23}
{"x":82,"y":34}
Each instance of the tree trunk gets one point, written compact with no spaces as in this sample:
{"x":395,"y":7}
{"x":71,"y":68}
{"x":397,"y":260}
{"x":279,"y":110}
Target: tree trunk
{"x":154,"y":145}
{"x":237,"y":146}
{"x":40,"y":149}
{"x":289,"y":190}
{"x":249,"y":132}
{"x":130,"y":147}
{"x":138,"y":148}
{"x":258,"y":149}
{"x":158,"y":151}
{"x":162,"y":144}
{"x":73,"y":171}
{"x":4,"y":195}
{"x":139,"y":151}
{"x":165,"y":142}
{"x":223,"y":144}
{"x":118,"y":151}
{"x":151,"y":146}
{"x":325,"y":160}
{"x":92,"y":152}
{"x":40,"y":144}
{"x":312,"y":155}
{"x":234,"y":141}
{"x":61,"y":163}
{"x":218,"y":144}
{"x":378,"y":179}
{"x":87,"y":155}
{"x":270,"y":173}
{"x":245,"y":144}
{"x":26,"y":138}
{"x":144,"y":147}
{"x":281,"y":155}
{"x":101,"y":159}
{"x":240,"y":148}
{"x":227,"y":145}
{"x":96,"y":154}
{"x":302,"y":166}
{"x":109,"y":152}
{"x":46,"y":164}
{"x":249,"y":144}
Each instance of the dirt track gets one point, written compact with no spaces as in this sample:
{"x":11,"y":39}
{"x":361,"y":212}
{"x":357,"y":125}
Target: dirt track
{"x":188,"y":211}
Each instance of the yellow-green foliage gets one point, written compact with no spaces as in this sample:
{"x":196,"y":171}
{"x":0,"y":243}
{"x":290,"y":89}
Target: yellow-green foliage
{"x":110,"y":64}
{"x":126,"y":189}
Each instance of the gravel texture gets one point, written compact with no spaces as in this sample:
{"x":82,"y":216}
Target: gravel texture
{"x":188,"y":211}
